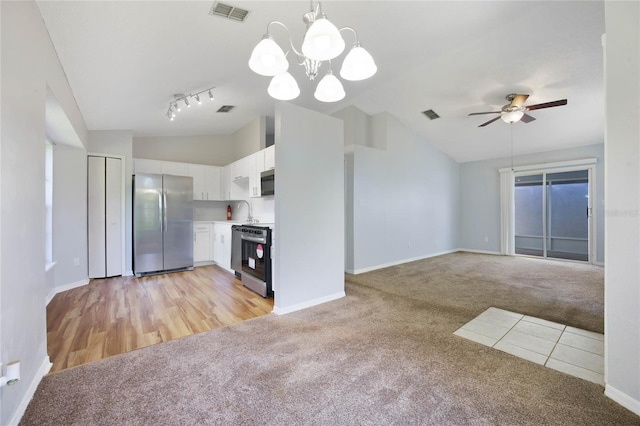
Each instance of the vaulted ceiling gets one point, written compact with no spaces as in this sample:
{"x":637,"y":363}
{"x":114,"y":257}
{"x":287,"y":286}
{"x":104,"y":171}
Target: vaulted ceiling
{"x":126,"y":59}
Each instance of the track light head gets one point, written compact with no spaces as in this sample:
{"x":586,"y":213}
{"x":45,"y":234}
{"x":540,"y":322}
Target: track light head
{"x":178,"y":98}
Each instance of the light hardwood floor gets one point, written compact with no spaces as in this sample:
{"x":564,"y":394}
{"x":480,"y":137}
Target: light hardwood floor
{"x":117,"y":315}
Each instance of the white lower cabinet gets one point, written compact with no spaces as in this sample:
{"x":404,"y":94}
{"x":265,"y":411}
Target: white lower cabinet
{"x":222,"y":244}
{"x":202,"y":247}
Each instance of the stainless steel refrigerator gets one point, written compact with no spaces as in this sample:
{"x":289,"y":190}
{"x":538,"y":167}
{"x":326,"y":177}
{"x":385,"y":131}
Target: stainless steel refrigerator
{"x":162,"y":223}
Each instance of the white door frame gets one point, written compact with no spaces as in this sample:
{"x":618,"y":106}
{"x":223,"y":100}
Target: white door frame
{"x":507,"y":204}
{"x":123,"y":207}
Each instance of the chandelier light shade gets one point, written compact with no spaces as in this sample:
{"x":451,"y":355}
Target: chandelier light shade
{"x":512,"y":116}
{"x":329,"y":89}
{"x":358,"y":65}
{"x":283,"y":87}
{"x":322,"y":42}
{"x":267,"y":58}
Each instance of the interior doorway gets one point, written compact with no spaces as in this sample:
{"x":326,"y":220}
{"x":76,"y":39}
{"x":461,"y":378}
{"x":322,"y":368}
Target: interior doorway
{"x":552,"y":214}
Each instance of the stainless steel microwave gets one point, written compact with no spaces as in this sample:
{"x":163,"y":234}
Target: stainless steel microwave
{"x":267,"y":182}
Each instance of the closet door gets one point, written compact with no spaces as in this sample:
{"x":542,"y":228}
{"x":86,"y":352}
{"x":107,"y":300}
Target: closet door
{"x":96,"y":179}
{"x":113,"y":211}
{"x":104,"y":210}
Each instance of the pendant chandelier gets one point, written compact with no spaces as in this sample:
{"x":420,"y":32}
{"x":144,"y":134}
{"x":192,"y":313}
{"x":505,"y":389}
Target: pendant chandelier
{"x":322,"y":42}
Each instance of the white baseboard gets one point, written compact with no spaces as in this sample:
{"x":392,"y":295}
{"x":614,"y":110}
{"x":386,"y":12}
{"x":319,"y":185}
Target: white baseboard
{"x":623,"y":399}
{"x":287,"y":310}
{"x":128,"y":274}
{"x":65,"y":287}
{"x":45,"y":366}
{"x":203,"y":263}
{"x":480,"y":251}
{"x":398,"y":262}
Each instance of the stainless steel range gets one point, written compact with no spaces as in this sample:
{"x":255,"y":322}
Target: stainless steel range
{"x":254,"y":258}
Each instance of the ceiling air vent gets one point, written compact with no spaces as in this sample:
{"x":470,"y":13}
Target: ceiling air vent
{"x":226,"y":108}
{"x":228,"y":11}
{"x":431,"y":114}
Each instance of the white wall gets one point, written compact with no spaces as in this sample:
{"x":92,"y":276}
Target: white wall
{"x":69,"y":217}
{"x":480,"y":196}
{"x":405,"y":202}
{"x":119,"y":142}
{"x":29,"y":66}
{"x":622,"y":146}
{"x":214,"y":150}
{"x":357,"y":126}
{"x":250,"y":138}
{"x":309,"y":208}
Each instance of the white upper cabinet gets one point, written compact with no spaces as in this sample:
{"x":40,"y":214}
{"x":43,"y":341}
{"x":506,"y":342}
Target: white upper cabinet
{"x":213,"y":182}
{"x":236,"y":181}
{"x":142,"y":165}
{"x":259,"y":162}
{"x":196,"y":171}
{"x":269,"y":158}
{"x":254,"y":174}
{"x":206,"y":182}
{"x":239,"y":169}
{"x":176,"y":169}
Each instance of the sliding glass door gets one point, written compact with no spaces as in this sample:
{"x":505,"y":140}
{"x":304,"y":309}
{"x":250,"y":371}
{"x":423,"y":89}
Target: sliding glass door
{"x":551,"y":215}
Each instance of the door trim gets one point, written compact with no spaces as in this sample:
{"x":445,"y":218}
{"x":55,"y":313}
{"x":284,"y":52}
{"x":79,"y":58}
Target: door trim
{"x":507,"y":199}
{"x":123,"y":206}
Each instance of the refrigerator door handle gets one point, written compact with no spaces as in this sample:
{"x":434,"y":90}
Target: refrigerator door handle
{"x":160,"y":210}
{"x":164,"y":216}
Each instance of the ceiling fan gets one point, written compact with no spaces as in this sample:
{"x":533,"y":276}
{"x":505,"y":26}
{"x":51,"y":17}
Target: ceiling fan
{"x":516,"y":111}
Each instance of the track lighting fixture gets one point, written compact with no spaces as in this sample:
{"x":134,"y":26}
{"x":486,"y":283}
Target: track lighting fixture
{"x":322,"y":42}
{"x":174,"y":106}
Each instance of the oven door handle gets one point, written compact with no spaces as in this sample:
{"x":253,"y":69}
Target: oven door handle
{"x":254,"y":240}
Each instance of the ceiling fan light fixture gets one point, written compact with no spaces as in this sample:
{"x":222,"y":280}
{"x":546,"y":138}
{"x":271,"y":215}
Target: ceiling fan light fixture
{"x":512,"y":116}
{"x":322,"y":41}
{"x":329,"y":89}
{"x":267,"y":58}
{"x":283,"y":87}
{"x":358,"y":64}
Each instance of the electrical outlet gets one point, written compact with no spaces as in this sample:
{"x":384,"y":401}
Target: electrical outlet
{"x":76,"y":261}
{"x":486,"y":239}
{"x":409,"y":245}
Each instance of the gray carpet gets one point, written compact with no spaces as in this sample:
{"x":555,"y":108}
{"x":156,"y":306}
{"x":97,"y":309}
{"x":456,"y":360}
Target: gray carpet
{"x":385,"y":354}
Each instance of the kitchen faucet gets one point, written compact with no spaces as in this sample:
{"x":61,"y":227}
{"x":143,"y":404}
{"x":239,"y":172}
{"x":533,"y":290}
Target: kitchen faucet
{"x":249,"y":217}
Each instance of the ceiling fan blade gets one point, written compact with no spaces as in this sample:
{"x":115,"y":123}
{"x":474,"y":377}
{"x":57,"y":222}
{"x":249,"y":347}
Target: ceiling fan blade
{"x":486,"y":112}
{"x":490,"y":121}
{"x":527,"y":118}
{"x":547,"y":105}
{"x":519,"y":100}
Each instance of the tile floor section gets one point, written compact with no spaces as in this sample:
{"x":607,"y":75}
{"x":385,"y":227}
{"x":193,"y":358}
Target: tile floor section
{"x":573,"y":351}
